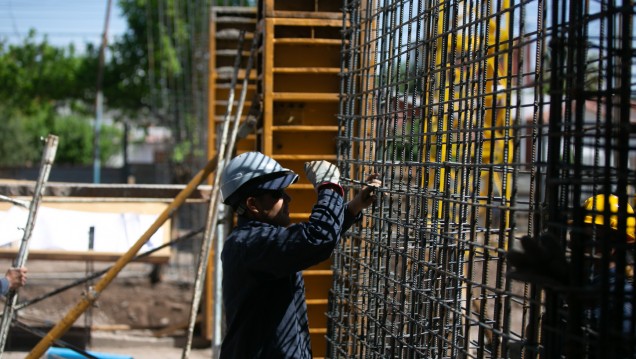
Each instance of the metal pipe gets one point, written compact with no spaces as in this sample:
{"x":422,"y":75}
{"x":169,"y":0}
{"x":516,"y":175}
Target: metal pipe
{"x":17,"y":202}
{"x":48,"y":157}
{"x":99,"y":100}
{"x":237,"y":133}
{"x":218,"y":278}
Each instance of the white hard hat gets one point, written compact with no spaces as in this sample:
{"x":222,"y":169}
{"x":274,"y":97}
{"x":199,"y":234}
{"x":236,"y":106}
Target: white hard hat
{"x":253,"y":171}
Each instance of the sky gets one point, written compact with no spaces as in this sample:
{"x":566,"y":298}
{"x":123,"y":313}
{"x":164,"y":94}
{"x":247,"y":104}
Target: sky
{"x":62,"y":21}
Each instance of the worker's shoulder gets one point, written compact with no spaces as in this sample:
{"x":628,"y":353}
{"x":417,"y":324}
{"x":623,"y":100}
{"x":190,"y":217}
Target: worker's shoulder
{"x":252,"y":231}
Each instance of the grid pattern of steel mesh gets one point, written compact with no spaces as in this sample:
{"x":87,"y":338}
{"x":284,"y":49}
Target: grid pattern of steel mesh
{"x":488,"y":120}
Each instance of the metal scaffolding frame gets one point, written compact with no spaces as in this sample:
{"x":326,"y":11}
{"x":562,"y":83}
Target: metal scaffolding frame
{"x":489,"y":120}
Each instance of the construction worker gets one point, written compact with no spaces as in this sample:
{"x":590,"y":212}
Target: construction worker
{"x":597,"y":231}
{"x":13,"y":279}
{"x":263,"y":287}
{"x":543,"y":262}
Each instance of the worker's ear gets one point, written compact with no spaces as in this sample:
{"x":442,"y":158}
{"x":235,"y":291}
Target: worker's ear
{"x":252,"y":206}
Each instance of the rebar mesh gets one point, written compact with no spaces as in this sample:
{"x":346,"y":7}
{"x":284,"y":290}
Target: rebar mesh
{"x":488,"y":120}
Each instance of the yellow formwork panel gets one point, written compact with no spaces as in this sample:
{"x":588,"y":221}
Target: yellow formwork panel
{"x":307,"y":82}
{"x":289,"y":54}
{"x":300,"y":87}
{"x":305,"y":114}
{"x":302,"y":8}
{"x":497,"y":143}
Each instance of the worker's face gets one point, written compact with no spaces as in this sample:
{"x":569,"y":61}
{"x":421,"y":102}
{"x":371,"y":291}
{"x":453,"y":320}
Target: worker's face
{"x":273,"y":207}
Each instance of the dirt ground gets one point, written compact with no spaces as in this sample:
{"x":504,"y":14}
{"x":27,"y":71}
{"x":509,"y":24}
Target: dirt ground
{"x":129,"y":314}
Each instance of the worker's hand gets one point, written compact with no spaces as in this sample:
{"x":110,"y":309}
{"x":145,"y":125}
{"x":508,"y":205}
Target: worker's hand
{"x":17,"y":277}
{"x":321,"y":172}
{"x":542,"y":261}
{"x":367,"y":195}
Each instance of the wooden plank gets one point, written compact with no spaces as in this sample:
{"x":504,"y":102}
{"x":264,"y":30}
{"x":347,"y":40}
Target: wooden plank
{"x":242,"y":10}
{"x":88,"y":205}
{"x":110,"y":327}
{"x":306,"y":22}
{"x":307,"y":14}
{"x":47,"y":254}
{"x":306,"y":96}
{"x":234,"y":104}
{"x":310,"y":157}
{"x":268,"y":86}
{"x":126,"y":192}
{"x":307,"y":70}
{"x":308,"y":41}
{"x":305,"y":114}
{"x":225,"y":73}
{"x":313,"y":272}
{"x":305,"y":128}
{"x":306,"y":6}
{"x":304,"y":143}
{"x":317,"y":301}
{"x":302,"y":186}
{"x":268,"y":7}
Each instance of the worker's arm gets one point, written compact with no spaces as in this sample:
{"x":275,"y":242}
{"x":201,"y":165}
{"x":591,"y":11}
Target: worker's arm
{"x":281,"y":251}
{"x":540,"y":261}
{"x":13,"y":279}
{"x":366,"y":196}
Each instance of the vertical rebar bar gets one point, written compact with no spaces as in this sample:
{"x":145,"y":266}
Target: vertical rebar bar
{"x":213,"y":204}
{"x":226,"y":150}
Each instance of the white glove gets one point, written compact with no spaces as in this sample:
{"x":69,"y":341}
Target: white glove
{"x":319,"y":172}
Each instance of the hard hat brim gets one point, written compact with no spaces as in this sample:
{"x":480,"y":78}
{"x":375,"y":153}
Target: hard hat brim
{"x":277,"y":183}
{"x":271,"y":182}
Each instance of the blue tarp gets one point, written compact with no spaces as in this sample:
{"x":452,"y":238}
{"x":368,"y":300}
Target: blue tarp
{"x":63,"y":353}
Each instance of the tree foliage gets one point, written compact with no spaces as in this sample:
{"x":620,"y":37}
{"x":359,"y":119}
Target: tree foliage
{"x":156,"y":72}
{"x":18,"y":141}
{"x":161,"y":63}
{"x":36,"y":75}
{"x":76,"y":140}
{"x":48,"y":90}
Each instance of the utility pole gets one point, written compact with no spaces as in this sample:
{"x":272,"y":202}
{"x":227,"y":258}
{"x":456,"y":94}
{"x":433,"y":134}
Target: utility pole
{"x":99,"y":100}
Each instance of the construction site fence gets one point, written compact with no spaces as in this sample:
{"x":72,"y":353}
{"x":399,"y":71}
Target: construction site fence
{"x":488,"y":120}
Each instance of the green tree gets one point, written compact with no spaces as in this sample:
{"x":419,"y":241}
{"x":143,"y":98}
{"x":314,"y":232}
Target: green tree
{"x":156,"y":72}
{"x":160,"y":64}
{"x":38,"y":75}
{"x":76,"y":140}
{"x":18,"y":140}
{"x":42,"y":82}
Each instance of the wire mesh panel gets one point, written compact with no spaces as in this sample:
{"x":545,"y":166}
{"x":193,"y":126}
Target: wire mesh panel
{"x":489,"y":121}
